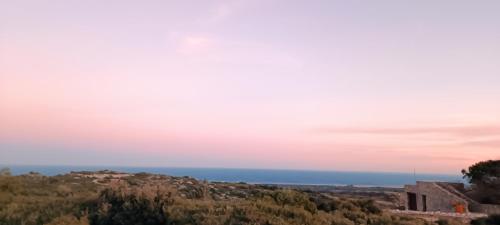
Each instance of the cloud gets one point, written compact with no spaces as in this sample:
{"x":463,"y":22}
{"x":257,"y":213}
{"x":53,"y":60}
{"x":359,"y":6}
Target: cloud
{"x":220,"y":12}
{"x":195,"y":45}
{"x":224,"y":10}
{"x":437,"y":157}
{"x":492,"y":143}
{"x":212,"y":48}
{"x":460,"y":131}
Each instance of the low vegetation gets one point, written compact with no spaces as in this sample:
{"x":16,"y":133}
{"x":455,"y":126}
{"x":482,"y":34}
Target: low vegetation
{"x":113,"y":198}
{"x":491,"y":220}
{"x":106,"y":198}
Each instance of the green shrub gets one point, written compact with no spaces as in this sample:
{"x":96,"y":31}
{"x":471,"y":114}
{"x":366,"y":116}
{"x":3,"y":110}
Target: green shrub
{"x":132,"y":205}
{"x":490,"y":220}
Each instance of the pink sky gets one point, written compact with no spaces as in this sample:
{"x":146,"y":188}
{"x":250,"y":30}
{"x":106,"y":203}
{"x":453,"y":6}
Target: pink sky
{"x":326,"y":85}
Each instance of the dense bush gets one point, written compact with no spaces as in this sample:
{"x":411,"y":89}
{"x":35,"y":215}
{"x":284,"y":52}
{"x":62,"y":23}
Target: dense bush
{"x":69,"y":220}
{"x":147,"y":205}
{"x":132,"y":205}
{"x":491,"y":220}
{"x":142,"y":200}
{"x":35,"y":200}
{"x":448,"y":222}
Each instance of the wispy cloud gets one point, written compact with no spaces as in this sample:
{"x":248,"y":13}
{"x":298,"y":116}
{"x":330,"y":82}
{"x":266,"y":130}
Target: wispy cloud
{"x":223,"y":10}
{"x":212,"y":48}
{"x":190,"y":45}
{"x":436,"y":157}
{"x":220,"y":12}
{"x":491,"y":143}
{"x":461,"y":131}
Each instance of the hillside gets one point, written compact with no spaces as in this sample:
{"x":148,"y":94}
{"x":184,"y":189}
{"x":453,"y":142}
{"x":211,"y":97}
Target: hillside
{"x":108,"y":197}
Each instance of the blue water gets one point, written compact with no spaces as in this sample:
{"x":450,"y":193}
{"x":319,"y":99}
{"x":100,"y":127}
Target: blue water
{"x":260,"y":176}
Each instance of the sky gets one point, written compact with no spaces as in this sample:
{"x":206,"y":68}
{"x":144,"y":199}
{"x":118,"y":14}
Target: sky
{"x":283,"y":84}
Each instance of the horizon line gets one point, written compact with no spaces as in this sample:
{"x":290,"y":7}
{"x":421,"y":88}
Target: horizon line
{"x":226,"y":168}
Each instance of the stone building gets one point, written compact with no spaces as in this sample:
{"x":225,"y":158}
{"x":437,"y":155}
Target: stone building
{"x":434,"y":196}
{"x":443,"y":197}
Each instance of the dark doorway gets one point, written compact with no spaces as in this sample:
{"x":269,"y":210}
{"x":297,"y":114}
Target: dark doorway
{"x":424,"y":203}
{"x":412,"y":201}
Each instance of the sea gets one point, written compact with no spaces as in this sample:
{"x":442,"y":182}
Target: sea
{"x":260,"y":176}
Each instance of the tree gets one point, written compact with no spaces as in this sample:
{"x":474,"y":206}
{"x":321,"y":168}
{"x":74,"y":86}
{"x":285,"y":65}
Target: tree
{"x":485,"y":177}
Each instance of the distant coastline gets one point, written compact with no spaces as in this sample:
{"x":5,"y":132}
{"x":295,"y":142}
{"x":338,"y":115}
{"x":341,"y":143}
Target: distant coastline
{"x":258,"y":176}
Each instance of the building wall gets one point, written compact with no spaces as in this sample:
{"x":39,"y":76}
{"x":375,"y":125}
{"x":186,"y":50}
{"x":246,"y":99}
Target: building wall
{"x":438,"y":199}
